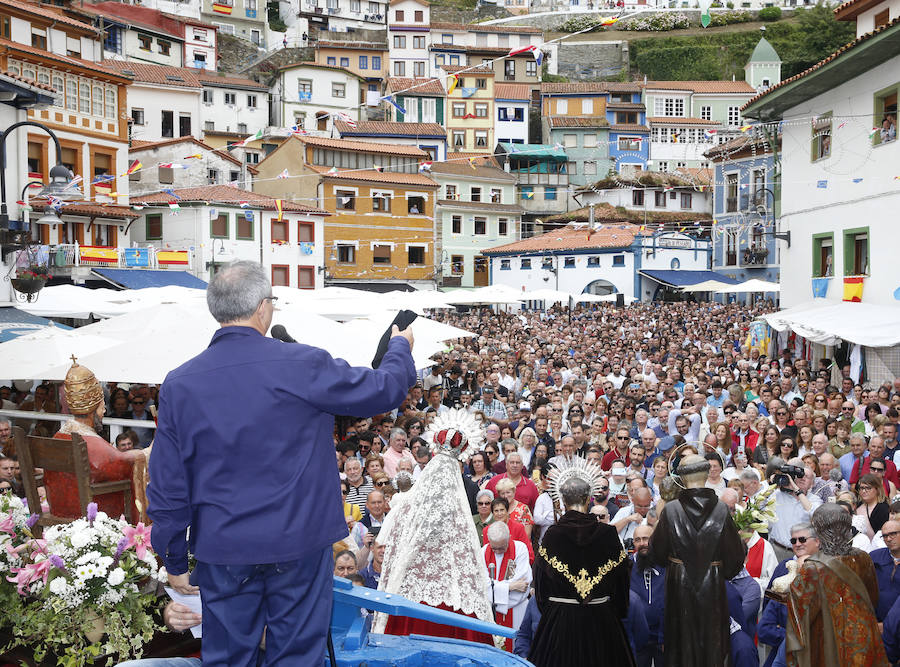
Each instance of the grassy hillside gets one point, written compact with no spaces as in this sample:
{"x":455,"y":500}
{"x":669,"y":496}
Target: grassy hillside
{"x":801,"y":42}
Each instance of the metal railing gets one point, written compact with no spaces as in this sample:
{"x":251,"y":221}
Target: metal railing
{"x":68,"y":255}
{"x":116,"y":426}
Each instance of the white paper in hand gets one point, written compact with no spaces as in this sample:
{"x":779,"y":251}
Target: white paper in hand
{"x":193,"y":603}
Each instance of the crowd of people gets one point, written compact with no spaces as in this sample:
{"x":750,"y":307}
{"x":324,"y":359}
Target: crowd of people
{"x":623,"y":388}
{"x":626,"y":388}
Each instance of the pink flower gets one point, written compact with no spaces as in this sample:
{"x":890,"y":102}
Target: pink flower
{"x":7,"y":525}
{"x":139,"y":538}
{"x":25,"y":576}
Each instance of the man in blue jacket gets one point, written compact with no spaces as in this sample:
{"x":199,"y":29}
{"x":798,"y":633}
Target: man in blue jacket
{"x":886,"y":562}
{"x":648,"y":582}
{"x":244,"y":457}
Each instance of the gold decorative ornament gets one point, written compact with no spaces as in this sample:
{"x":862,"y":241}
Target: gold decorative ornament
{"x":583,"y":583}
{"x":83,"y":393}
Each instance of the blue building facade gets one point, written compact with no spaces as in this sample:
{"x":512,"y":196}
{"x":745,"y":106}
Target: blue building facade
{"x":629,"y":134}
{"x":745,"y":206}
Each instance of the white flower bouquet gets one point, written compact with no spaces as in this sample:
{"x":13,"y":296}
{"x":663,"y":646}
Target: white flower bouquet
{"x":759,"y":512}
{"x":82,"y":590}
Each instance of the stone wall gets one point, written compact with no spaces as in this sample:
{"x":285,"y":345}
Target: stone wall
{"x":591,"y":61}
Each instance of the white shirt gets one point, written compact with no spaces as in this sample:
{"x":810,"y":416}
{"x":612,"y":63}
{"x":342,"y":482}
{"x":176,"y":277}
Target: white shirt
{"x":504,"y":598}
{"x":617,"y":381}
{"x":788,"y":512}
{"x":544,"y":516}
{"x":628,"y":529}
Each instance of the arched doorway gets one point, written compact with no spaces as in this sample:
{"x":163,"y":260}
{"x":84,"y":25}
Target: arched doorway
{"x":600,"y":288}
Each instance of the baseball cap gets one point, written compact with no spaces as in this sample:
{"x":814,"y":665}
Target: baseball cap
{"x":525,"y":405}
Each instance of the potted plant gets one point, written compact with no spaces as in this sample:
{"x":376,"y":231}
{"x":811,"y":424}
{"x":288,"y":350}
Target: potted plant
{"x":31,"y":279}
{"x":84,"y":591}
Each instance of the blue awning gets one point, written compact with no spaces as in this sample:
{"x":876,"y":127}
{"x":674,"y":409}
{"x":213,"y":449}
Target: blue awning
{"x":15,"y":323}
{"x":138,"y":278}
{"x":677,"y":278}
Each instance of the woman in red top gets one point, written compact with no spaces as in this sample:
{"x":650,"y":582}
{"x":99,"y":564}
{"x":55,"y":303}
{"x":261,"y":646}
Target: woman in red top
{"x":500,"y":510}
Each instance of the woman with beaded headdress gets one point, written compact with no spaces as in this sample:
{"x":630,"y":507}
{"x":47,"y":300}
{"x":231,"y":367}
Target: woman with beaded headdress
{"x":581,"y":580}
{"x":432,"y":552}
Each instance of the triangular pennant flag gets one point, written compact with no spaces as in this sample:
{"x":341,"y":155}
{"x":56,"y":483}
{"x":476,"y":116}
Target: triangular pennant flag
{"x":394,"y":104}
{"x":523,"y":49}
{"x":279,"y":206}
{"x":284,"y":174}
{"x":452,"y":83}
{"x":195,"y":156}
{"x":425,"y":166}
{"x":247,"y":140}
{"x":245,"y":204}
{"x":133,"y":167}
{"x":378,"y":168}
{"x":333,"y":170}
{"x":340,"y":115}
{"x":609,"y":21}
{"x":173,"y":205}
{"x":472,"y":162}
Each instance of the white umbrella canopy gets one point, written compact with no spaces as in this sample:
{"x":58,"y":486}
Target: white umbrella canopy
{"x":483,"y":296}
{"x":612,"y":298}
{"x":753,"y":285}
{"x":30,"y":357}
{"x":706,"y":286}
{"x":73,"y":301}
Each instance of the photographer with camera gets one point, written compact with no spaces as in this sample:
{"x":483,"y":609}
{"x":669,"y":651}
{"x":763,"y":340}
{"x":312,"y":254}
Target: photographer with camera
{"x":793,"y":505}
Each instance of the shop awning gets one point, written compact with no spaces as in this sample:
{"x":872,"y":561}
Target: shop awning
{"x":140,"y":278}
{"x":15,"y":323}
{"x":677,"y":278}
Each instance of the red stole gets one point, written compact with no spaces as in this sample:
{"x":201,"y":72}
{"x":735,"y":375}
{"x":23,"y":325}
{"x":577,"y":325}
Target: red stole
{"x":489,"y":559}
{"x":755,"y":558}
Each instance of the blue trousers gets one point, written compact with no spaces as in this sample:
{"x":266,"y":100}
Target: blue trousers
{"x":291,"y":600}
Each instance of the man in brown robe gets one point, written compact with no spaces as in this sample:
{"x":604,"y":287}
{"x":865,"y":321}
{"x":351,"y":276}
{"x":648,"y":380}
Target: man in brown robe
{"x":698,"y":543}
{"x":831,"y":604}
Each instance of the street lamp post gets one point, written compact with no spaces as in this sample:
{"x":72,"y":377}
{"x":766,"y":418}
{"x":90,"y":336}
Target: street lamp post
{"x":60,"y":176}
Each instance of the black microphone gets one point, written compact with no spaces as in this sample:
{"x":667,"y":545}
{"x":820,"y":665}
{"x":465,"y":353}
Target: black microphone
{"x":279,"y":332}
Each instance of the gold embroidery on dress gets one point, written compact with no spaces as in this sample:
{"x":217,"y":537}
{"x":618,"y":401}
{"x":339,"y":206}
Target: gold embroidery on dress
{"x":582,"y":583}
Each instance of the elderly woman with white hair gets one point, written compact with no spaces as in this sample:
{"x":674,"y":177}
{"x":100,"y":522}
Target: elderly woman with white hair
{"x":483,"y":517}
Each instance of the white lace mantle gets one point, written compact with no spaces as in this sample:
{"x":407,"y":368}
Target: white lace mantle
{"x":71,"y":426}
{"x":432,"y":552}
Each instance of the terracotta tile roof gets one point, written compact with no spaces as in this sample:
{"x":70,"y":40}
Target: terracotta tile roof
{"x":28,"y":82}
{"x":134,"y":15}
{"x":625,"y":106}
{"x":415,"y":87}
{"x":628,"y":127}
{"x":222,"y":194}
{"x":469,"y":69}
{"x":487,"y":169}
{"x":703,"y":86}
{"x":568,"y":88}
{"x":481,"y":27}
{"x":48,"y":12}
{"x":681,"y":120}
{"x":624,"y":86}
{"x":481,"y":158}
{"x":137,"y":146}
{"x":93,"y":210}
{"x":391,"y":128}
{"x":214,"y":79}
{"x":512,"y":91}
{"x":577,"y":121}
{"x":364,"y":146}
{"x":834,"y":56}
{"x":758,"y":143}
{"x":371,"y":175}
{"x":65,"y":60}
{"x":306,"y":63}
{"x":853,"y":8}
{"x":225,"y":133}
{"x":642,"y":179}
{"x":608,"y":214}
{"x":697,"y":175}
{"x":162,"y":75}
{"x":482,"y":205}
{"x":421,"y":2}
{"x":570,"y":238}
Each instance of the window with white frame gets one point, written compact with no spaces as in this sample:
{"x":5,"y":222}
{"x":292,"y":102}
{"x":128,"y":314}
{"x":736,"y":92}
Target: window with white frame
{"x":502,"y":227}
{"x":587,"y":107}
{"x":562,"y":106}
{"x":338,"y":89}
{"x":481,"y":138}
{"x":459,"y":138}
{"x":450,"y":192}
{"x":480,"y":226}
{"x":734,"y":116}
{"x":530,"y":68}
{"x":381,"y":201}
{"x":706,"y":112}
{"x":456,"y":224}
{"x":590,"y":140}
{"x":415,"y":255}
{"x":208,"y":96}
{"x":668,"y":106}
{"x":590,"y":167}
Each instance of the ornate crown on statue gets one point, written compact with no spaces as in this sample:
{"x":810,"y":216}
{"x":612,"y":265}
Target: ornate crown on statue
{"x":456,"y":433}
{"x":578,"y":467}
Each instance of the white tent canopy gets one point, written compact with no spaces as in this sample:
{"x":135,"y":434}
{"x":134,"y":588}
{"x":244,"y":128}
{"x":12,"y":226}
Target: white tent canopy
{"x":827,"y":322}
{"x":549,"y":296}
{"x":706,"y":286}
{"x":753,"y":285}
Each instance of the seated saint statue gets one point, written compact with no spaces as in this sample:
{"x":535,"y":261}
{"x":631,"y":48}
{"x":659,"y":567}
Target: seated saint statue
{"x":85,"y":399}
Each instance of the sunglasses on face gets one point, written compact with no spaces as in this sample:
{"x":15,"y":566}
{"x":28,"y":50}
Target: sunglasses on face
{"x":876,"y":469}
{"x":801,"y":540}
{"x":381,"y":483}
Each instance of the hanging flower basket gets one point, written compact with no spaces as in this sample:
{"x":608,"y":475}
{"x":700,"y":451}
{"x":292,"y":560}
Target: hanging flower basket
{"x":28,"y":285}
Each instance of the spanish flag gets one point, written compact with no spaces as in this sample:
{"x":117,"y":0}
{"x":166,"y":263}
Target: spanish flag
{"x":221,"y":8}
{"x":853,"y":288}
{"x":135,"y":166}
{"x":172,"y":257}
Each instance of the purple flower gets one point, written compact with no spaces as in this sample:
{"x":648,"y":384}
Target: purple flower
{"x":25,"y":503}
{"x":120,"y":549}
{"x":33,"y":519}
{"x":91,"y":512}
{"x":57,"y":562}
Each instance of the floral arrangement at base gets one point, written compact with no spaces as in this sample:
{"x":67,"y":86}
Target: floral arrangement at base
{"x":86,"y":589}
{"x":760,"y":510}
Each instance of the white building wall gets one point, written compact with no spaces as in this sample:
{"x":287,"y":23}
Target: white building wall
{"x":16,"y":170}
{"x":506,"y":130}
{"x":183,"y":8}
{"x":189,"y":229}
{"x":200,"y":39}
{"x":865,"y":22}
{"x":147,"y":179}
{"x":701,"y":202}
{"x":133,"y":50}
{"x":154,"y":99}
{"x":572,"y":280}
{"x":322,"y":98}
{"x":821,"y":196}
{"x":227,"y":117}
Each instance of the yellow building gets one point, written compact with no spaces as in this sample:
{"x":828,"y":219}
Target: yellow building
{"x":574,"y":99}
{"x":381,"y":224}
{"x":470,"y":111}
